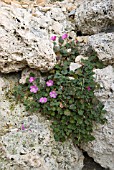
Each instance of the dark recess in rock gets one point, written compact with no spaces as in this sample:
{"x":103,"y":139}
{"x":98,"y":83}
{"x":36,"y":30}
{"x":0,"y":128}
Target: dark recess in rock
{"x":90,"y":164}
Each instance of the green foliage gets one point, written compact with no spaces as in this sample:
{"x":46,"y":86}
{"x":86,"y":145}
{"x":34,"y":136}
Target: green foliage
{"x":75,"y":110}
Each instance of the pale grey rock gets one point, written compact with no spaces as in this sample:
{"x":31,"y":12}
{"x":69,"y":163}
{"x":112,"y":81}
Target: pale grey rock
{"x":71,"y":78}
{"x":59,"y":22}
{"x":106,"y":79}
{"x":79,"y":58}
{"x":112,"y":87}
{"x":54,"y":14}
{"x":74,"y":66}
{"x":68,"y":5}
{"x":2,"y":85}
{"x":57,"y":27}
{"x":25,"y":38}
{"x":102,"y":148}
{"x":78,"y":63}
{"x":72,"y":13}
{"x":94,"y":16}
{"x":23,"y":42}
{"x":72,"y":34}
{"x":34,"y":147}
{"x":82,"y":39}
{"x":103,"y":44}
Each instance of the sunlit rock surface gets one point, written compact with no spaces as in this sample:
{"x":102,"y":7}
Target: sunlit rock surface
{"x":102,"y":148}
{"x":103,"y":44}
{"x":25,"y":38}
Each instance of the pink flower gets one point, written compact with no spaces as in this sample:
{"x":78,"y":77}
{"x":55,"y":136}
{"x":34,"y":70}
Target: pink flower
{"x":33,"y":89}
{"x":49,"y":83}
{"x":22,"y":127}
{"x":64,"y":36}
{"x":53,"y":94}
{"x":31,"y":79}
{"x":43,"y":100}
{"x":88,"y":88}
{"x":53,"y":38}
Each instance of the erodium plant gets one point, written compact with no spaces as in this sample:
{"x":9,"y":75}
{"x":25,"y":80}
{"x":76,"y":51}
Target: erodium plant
{"x":66,"y":98}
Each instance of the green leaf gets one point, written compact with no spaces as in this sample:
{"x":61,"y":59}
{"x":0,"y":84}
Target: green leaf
{"x":67,"y":112}
{"x":53,"y":108}
{"x":52,"y":113}
{"x":72,"y":121}
{"x":61,"y":40}
{"x":79,"y":120}
{"x":80,"y":112}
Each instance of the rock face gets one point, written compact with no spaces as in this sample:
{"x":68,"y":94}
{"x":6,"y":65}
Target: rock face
{"x":27,"y":141}
{"x":25,"y":38}
{"x":103,"y":44}
{"x":94,"y":16}
{"x":102,"y":149}
{"x":23,"y":42}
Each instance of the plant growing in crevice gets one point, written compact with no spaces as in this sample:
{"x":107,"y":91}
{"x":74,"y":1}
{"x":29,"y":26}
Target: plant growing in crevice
{"x":69,"y":103}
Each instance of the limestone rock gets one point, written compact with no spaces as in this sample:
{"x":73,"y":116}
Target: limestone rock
{"x":74,"y":66}
{"x":23,"y":42}
{"x":79,"y":57}
{"x":94,"y":16}
{"x":58,"y":21}
{"x":25,"y":38}
{"x":78,"y":63}
{"x":33,"y":146}
{"x":103,"y":44}
{"x":102,"y":149}
{"x":82,"y":39}
{"x":72,"y":13}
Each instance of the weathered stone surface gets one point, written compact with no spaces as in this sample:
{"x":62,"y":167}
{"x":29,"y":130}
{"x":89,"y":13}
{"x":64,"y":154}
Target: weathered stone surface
{"x":25,"y":38}
{"x":103,"y":44}
{"x":74,"y":66}
{"x":26,"y":3}
{"x":79,"y":58}
{"x":78,"y":63}
{"x":22,"y":42}
{"x":27,"y":141}
{"x":94,"y":16}
{"x":102,"y":149}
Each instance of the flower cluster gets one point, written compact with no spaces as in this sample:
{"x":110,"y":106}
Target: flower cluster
{"x":64,"y":36}
{"x":34,"y":89}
